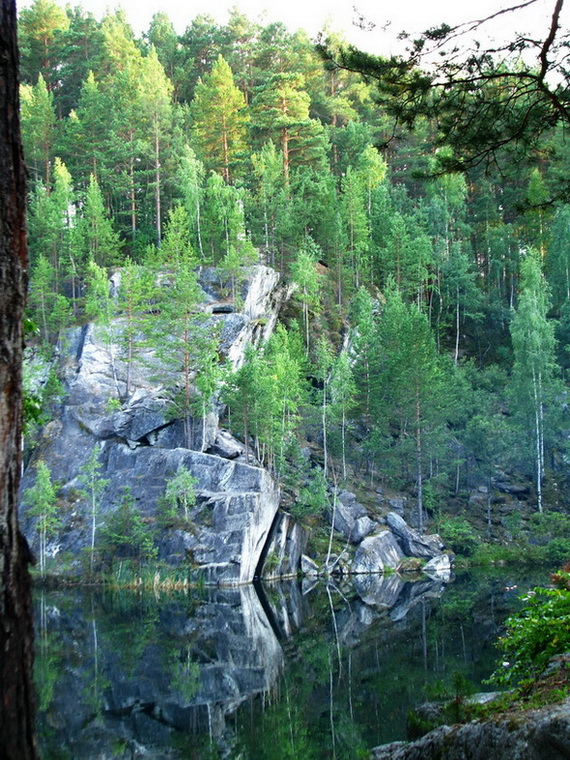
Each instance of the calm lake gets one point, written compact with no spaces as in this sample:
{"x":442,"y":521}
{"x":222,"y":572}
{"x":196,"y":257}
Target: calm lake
{"x":284,"y":671}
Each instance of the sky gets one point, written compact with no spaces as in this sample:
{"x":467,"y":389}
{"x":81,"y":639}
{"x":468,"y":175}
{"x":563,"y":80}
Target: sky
{"x":386,"y":18}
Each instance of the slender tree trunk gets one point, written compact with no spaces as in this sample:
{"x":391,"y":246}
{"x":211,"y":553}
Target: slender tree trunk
{"x":245,"y":434}
{"x":419,"y":463}
{"x":343,"y":441}
{"x":93,"y":521}
{"x":489,"y":507}
{"x":324,"y":422}
{"x":199,"y":225}
{"x":132,"y":196}
{"x":286,"y":159}
{"x":158,"y":209}
{"x":456,"y":357}
{"x":188,"y":430}
{"x":17,"y":703}
{"x":538,"y":437}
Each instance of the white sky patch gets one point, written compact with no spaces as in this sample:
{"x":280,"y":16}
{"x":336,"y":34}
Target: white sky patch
{"x":384,"y":19}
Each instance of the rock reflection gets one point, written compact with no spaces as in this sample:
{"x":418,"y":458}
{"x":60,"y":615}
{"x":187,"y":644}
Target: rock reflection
{"x":327,"y":669}
{"x":134,"y":673}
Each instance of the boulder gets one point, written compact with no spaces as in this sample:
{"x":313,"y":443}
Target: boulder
{"x":413,"y":544}
{"x":346,"y":512}
{"x":439,"y":568}
{"x":530,"y":734}
{"x":309,"y":567}
{"x":377,"y":553}
{"x":226,"y":446}
{"x":398,"y":504}
{"x":363,"y":526}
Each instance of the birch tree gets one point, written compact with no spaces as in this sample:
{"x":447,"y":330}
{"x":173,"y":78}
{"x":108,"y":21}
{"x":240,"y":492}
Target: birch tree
{"x":534,"y":380}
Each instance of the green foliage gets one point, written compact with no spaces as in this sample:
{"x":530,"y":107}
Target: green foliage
{"x":449,"y":368}
{"x":220,"y":121}
{"x":179,"y":495}
{"x":537,"y":633}
{"x":94,"y":487}
{"x":458,"y":534}
{"x":125,"y":534}
{"x":42,"y":501}
{"x":312,"y":499}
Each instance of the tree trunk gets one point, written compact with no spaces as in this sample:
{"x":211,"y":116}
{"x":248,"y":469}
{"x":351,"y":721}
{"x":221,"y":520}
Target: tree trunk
{"x":157,"y":188}
{"x":17,"y":740}
{"x":419,"y":464}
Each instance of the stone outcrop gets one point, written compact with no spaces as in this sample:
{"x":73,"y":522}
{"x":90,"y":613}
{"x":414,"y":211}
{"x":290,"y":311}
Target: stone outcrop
{"x":346,"y":512}
{"x":141,"y":447}
{"x":414,"y":544}
{"x":530,"y":734}
{"x":438,"y":567}
{"x":285,"y":547}
{"x":377,"y":553}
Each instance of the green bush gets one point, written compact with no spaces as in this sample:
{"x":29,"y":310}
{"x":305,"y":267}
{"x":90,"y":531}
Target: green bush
{"x":557,"y":551}
{"x":550,"y":525}
{"x":125,"y":534}
{"x":458,"y":534}
{"x":536,"y":633}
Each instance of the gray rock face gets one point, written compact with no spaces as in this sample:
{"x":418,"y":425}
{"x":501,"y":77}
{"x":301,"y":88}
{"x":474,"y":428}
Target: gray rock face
{"x":347,"y":511}
{"x":439,"y":567}
{"x":376,"y":553}
{"x":412,"y":543}
{"x":529,"y":735}
{"x":285,"y":547}
{"x":309,"y":567}
{"x":363,"y":527}
{"x":141,"y":446}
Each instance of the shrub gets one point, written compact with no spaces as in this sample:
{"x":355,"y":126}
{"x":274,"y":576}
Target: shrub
{"x":125,"y":534}
{"x":550,"y":525}
{"x":458,"y":534}
{"x":536,"y":633}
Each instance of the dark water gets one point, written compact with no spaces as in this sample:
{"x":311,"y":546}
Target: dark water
{"x":281,"y":672}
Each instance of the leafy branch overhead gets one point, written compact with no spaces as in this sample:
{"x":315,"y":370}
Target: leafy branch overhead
{"x":483,"y":100}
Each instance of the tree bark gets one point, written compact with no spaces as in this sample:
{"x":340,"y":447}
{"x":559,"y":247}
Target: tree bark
{"x":17,"y":740}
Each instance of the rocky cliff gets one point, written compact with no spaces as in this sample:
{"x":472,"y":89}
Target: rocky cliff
{"x":141,"y":446}
{"x":124,"y":413}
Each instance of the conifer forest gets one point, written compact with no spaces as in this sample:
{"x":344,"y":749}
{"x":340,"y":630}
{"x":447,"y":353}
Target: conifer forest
{"x":295,"y":388}
{"x":423,"y":233}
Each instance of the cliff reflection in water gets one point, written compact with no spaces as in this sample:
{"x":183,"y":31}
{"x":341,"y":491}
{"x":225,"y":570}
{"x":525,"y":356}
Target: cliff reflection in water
{"x":323,"y":670}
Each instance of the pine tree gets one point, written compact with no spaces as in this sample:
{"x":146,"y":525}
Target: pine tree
{"x":407,"y":392}
{"x":156,"y":105}
{"x":40,"y":30}
{"x":172,"y":333}
{"x":136,"y":293}
{"x":102,"y":243}
{"x":38,"y":129}
{"x":220,"y":121}
{"x":280,"y":111}
{"x":268,"y":171}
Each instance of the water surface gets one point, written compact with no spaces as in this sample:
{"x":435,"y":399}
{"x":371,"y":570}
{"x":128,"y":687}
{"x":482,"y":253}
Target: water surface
{"x":280,"y":671}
